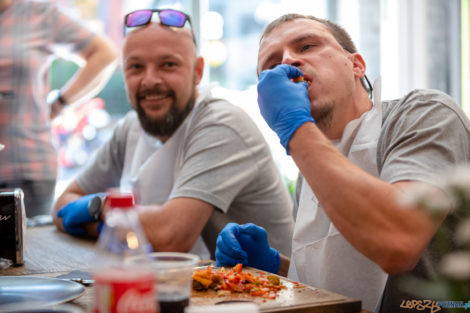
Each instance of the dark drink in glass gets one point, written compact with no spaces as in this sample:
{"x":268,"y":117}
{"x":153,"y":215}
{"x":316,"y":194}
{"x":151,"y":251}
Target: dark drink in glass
{"x":174,"y":306}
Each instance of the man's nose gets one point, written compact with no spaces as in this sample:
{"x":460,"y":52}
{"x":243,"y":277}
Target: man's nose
{"x":290,"y":58}
{"x":151,"y":78}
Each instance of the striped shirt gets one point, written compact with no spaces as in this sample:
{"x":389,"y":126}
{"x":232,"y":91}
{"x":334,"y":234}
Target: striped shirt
{"x":30,"y":33}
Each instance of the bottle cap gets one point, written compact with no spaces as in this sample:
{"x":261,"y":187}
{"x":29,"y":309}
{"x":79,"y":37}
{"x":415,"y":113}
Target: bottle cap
{"x":121,"y":200}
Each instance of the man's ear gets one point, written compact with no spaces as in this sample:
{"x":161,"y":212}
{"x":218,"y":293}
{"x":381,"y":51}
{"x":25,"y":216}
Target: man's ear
{"x":199,"y":69}
{"x":359,"y":66}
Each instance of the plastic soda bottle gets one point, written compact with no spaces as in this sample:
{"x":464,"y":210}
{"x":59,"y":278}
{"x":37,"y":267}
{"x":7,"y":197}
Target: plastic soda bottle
{"x":120,"y":287}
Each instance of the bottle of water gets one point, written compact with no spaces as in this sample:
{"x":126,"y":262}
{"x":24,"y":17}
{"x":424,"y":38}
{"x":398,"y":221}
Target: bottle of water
{"x":119,"y":286}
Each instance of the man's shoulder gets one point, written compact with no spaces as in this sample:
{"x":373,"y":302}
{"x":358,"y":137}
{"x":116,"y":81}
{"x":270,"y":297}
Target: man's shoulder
{"x":417,"y":96}
{"x":214,"y":108}
{"x":420,"y":100}
{"x":215,"y":111}
{"x":129,"y":122}
{"x":129,"y":119}
{"x":219,"y":116}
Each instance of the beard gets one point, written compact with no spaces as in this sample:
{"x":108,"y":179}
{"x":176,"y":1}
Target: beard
{"x":167,"y":125}
{"x":324,"y":116}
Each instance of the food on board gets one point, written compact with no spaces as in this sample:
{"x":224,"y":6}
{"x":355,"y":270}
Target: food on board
{"x":235,"y":280}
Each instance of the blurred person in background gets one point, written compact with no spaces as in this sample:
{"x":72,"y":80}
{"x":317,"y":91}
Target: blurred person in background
{"x":357,"y":156}
{"x":31,"y":33}
{"x":194,"y":162}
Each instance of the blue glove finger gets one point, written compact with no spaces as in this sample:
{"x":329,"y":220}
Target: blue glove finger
{"x":75,"y":230}
{"x":78,"y":208}
{"x":75,"y":214}
{"x":254,"y":240}
{"x":283,"y":70}
{"x":256,"y":232}
{"x":283,"y":104}
{"x":276,"y":89}
{"x":228,"y":249}
{"x":227,"y":241}
{"x":223,"y":259}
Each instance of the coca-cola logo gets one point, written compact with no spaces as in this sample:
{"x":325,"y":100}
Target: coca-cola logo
{"x":4,"y":217}
{"x":134,"y":302}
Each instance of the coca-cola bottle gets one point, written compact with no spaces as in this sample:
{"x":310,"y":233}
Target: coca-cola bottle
{"x":120,"y":287}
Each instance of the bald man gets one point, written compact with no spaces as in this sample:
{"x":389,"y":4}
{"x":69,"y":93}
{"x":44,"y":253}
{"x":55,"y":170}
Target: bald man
{"x":195,"y":162}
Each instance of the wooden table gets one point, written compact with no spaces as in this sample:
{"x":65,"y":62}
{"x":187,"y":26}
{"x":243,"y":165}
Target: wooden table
{"x":50,"y":253}
{"x":46,"y":250}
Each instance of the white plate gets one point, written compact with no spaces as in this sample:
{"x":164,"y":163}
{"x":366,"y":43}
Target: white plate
{"x":37,"y":291}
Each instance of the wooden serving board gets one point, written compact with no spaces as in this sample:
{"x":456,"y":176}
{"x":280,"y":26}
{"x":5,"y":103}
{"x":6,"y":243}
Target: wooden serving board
{"x":298,"y":298}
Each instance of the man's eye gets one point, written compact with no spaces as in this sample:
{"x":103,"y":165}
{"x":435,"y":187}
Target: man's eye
{"x":271,"y":66}
{"x":133,"y":66}
{"x":306,"y":47}
{"x":169,"y":64}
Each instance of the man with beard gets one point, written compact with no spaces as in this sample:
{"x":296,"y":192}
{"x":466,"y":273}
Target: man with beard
{"x":358,"y":156}
{"x":194,"y":162}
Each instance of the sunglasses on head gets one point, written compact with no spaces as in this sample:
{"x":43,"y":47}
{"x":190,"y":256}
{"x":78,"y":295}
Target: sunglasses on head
{"x":168,"y":17}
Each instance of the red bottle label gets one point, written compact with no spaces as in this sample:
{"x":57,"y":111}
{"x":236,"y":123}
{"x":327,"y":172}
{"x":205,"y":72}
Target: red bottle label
{"x":119,"y":291}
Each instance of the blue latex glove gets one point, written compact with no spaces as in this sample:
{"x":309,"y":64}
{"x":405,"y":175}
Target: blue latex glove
{"x":284,"y":104}
{"x":75,"y":214}
{"x":246,"y":244}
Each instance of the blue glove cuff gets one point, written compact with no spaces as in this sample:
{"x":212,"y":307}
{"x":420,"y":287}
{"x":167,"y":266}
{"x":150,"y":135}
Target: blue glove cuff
{"x":99,"y":228}
{"x":287,"y":136}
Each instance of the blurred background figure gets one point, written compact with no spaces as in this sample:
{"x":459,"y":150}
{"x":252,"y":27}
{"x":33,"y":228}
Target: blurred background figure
{"x":32,"y":34}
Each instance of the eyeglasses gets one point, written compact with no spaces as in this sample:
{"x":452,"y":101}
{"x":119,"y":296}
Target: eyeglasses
{"x":168,"y":17}
{"x":370,"y":90}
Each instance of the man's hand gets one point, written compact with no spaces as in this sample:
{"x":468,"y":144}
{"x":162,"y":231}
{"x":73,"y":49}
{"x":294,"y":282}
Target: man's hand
{"x":75,"y":214}
{"x":55,"y":109}
{"x":56,"y":103}
{"x":284,"y":104}
{"x":246,"y":244}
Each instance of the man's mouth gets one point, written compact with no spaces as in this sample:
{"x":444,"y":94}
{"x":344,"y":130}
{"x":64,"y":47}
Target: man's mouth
{"x":153,"y":97}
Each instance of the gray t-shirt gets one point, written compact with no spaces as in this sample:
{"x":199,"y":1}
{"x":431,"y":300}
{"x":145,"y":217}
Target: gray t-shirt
{"x":226,"y":162}
{"x":423,"y":134}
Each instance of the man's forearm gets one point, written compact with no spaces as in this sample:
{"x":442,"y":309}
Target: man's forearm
{"x":100,"y":58}
{"x":368,"y":213}
{"x":176,"y":225}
